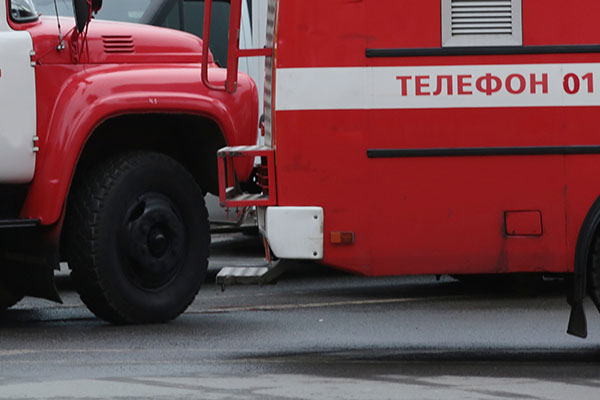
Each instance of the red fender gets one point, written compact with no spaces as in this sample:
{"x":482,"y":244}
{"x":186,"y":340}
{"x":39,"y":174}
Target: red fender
{"x":98,"y":93}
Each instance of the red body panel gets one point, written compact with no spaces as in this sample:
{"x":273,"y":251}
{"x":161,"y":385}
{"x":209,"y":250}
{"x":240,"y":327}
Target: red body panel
{"x":160,"y":75}
{"x":434,"y":215}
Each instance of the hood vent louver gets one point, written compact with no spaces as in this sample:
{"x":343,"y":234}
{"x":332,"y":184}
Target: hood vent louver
{"x":118,"y":44}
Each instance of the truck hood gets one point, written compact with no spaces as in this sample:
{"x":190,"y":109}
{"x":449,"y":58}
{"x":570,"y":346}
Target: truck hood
{"x":111,"y":42}
{"x":124,"y":42}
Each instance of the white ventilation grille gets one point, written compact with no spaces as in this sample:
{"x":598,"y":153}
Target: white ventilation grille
{"x":481,"y":22}
{"x":481,"y":17}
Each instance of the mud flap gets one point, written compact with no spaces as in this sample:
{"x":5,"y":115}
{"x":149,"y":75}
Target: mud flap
{"x":28,"y":258}
{"x":577,"y":321}
{"x":40,"y":283}
{"x":31,"y":279}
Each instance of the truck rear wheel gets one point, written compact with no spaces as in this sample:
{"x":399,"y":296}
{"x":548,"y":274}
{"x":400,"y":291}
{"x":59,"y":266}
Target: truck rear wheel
{"x":593,"y":279}
{"x":138,"y":239}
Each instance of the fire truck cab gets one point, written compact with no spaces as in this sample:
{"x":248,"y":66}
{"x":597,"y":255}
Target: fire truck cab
{"x":433,"y":137}
{"x":108,"y":143}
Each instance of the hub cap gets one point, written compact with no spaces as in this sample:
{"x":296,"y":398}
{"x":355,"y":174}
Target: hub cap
{"x":154,"y":241}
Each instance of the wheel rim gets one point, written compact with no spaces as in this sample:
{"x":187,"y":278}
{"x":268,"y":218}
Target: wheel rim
{"x":153,"y":241}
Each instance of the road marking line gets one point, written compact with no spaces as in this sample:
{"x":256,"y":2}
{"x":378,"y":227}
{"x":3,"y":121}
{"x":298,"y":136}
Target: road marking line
{"x":4,"y":353}
{"x":281,"y":307}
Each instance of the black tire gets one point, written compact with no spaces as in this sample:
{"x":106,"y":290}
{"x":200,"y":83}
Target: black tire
{"x":593,"y":278}
{"x":138,"y":238}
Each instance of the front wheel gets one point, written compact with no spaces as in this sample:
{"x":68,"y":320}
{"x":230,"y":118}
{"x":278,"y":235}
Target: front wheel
{"x":138,"y":238}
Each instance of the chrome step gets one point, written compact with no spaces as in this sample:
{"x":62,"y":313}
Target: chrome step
{"x":248,"y":197}
{"x":262,"y":275}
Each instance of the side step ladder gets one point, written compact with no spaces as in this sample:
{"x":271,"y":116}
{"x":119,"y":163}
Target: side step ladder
{"x":231,"y":195}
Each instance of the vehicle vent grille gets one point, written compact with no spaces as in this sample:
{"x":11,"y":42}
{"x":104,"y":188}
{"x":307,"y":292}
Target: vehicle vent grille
{"x":477,"y":17}
{"x":118,"y":44}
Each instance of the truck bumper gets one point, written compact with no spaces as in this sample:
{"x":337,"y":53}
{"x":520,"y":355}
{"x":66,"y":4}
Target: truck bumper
{"x":293,"y":232}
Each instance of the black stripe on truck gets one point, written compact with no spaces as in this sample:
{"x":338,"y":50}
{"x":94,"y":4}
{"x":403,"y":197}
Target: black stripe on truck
{"x":482,"y":51}
{"x":483,"y":151}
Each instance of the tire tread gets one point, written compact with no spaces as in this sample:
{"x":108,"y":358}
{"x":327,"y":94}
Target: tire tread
{"x":84,"y":231}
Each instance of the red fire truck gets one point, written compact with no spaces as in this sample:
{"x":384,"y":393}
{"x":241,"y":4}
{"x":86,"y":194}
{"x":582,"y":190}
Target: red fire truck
{"x":108,"y":142}
{"x":431,"y":137}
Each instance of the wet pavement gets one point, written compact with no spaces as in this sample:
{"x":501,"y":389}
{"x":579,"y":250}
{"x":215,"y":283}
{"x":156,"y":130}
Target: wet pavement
{"x":316,"y":334}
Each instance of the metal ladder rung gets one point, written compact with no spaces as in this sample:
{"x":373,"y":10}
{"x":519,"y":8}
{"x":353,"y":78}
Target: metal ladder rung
{"x":248,"y":197}
{"x":242,"y":149}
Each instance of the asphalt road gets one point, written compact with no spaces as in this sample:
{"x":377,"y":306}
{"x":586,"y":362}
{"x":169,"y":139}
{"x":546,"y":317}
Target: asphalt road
{"x":316,"y":334}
